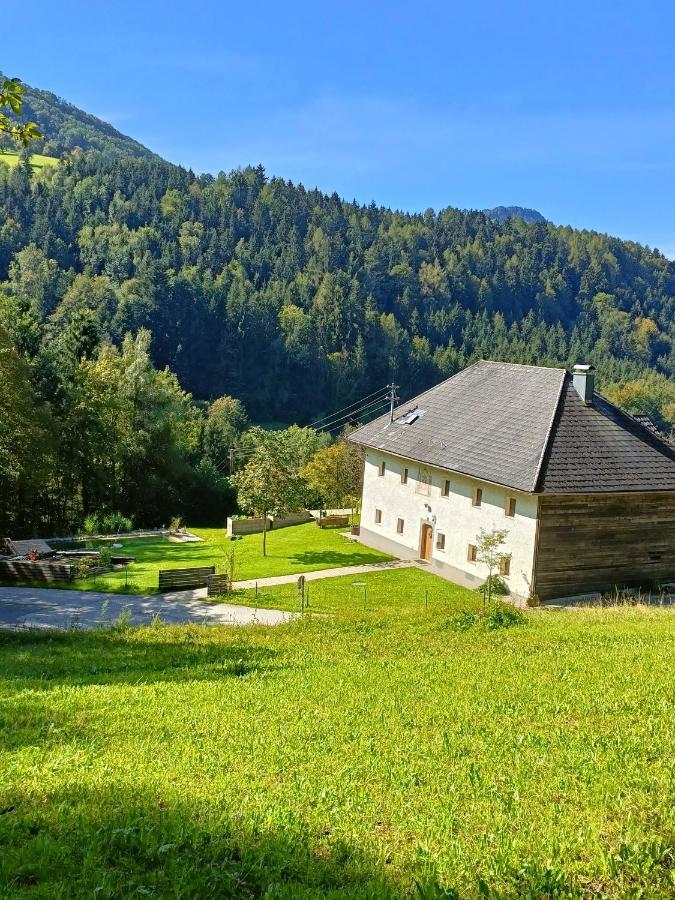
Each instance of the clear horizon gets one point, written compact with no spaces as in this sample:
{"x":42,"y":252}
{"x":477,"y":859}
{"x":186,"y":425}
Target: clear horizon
{"x":567,"y":111}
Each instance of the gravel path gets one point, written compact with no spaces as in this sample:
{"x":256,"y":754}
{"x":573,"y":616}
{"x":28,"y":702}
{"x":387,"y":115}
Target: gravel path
{"x":324,"y":573}
{"x":57,"y":608}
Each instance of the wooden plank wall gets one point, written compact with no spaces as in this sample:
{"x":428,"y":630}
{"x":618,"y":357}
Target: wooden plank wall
{"x":597,"y":542}
{"x":22,"y":570}
{"x":183,"y":579}
{"x":217,"y":585}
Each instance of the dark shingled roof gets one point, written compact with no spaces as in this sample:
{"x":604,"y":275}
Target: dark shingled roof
{"x":600,"y":448}
{"x":527,"y":428}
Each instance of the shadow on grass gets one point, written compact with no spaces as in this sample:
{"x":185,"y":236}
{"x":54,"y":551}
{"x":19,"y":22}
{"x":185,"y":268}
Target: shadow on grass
{"x":331,"y":559}
{"x":45,"y":659}
{"x":122,"y":842}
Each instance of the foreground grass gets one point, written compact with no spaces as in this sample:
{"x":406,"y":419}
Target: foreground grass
{"x":302,"y":548}
{"x":377,"y":752}
{"x":37,"y":160}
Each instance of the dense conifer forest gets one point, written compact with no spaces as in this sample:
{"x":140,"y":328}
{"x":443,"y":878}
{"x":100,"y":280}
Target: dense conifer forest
{"x":126,"y":281}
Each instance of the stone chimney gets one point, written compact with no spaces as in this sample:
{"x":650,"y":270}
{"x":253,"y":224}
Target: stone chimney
{"x":583,"y":380}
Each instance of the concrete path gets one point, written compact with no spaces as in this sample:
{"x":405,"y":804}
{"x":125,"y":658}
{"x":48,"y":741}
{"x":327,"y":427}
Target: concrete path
{"x":57,"y":608}
{"x":323,"y":573}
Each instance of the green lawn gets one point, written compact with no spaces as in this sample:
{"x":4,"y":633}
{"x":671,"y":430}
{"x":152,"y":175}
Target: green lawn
{"x":36,"y":160}
{"x":377,"y":752}
{"x":302,"y":548}
{"x":406,"y":590}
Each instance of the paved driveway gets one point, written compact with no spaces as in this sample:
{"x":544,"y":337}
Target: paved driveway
{"x":56,"y":608}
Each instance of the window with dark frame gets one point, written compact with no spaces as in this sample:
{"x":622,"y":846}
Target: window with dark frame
{"x":378,"y":516}
{"x":440,"y":540}
{"x":477,"y":498}
{"x":445,"y":491}
{"x":404,"y":476}
{"x":511,"y":507}
{"x":399,"y":525}
{"x":472,"y":554}
{"x":505,"y":565}
{"x":382,"y":468}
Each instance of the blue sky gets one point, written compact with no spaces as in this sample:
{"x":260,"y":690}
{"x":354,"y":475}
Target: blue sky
{"x":565,"y":107}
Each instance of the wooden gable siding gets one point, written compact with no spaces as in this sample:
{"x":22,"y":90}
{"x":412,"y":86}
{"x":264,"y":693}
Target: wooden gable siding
{"x":596,"y":542}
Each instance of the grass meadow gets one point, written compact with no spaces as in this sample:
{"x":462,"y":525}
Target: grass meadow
{"x":36,"y":160}
{"x":376,"y":748}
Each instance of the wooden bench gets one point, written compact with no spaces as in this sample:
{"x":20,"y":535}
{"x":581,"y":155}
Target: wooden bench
{"x":217,"y":585}
{"x":333,"y":521}
{"x":184,"y":579}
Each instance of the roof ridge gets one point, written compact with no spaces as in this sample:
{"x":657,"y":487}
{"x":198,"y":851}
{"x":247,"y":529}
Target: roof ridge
{"x":504,"y":362}
{"x":549,"y":430}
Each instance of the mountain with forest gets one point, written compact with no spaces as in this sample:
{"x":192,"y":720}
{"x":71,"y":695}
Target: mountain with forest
{"x":127,"y":281}
{"x":64,"y":127}
{"x":501,"y":213}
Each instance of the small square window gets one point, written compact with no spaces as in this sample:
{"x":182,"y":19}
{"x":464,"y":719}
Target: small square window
{"x":445,"y":490}
{"x":440,"y":541}
{"x":477,"y":496}
{"x":505,"y":565}
{"x":382,"y":468}
{"x":378,"y":516}
{"x":404,"y":476}
{"x":472,"y":554}
{"x":511,"y":507}
{"x":399,"y":526}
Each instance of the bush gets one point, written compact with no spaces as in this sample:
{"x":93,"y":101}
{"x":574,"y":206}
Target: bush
{"x":497,"y":615}
{"x":105,"y":557}
{"x":106,"y":522}
{"x":499,"y":587}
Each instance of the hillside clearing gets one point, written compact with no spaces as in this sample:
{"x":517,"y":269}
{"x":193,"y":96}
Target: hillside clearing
{"x":357,"y":755}
{"x":36,"y":160}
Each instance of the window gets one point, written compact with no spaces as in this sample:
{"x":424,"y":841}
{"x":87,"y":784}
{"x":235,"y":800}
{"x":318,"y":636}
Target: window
{"x":440,"y":540}
{"x":404,"y":476}
{"x":510,"y":507}
{"x":378,"y":516}
{"x":382,"y":468}
{"x":399,"y":525}
{"x":472,"y":555}
{"x":477,"y":498}
{"x":445,"y":490}
{"x":505,"y":565}
{"x":423,"y":483}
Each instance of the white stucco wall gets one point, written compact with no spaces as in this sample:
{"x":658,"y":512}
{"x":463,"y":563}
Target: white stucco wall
{"x":454,"y":515}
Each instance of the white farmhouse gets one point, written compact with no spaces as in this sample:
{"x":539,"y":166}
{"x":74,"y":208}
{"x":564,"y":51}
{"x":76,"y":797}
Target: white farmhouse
{"x":585,"y":491}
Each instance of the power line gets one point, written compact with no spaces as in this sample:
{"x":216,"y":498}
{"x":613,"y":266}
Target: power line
{"x":380,"y":406}
{"x":355,"y":403}
{"x":329,"y":426}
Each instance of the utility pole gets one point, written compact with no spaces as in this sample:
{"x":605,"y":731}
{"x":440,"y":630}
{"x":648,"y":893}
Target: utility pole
{"x":231,"y":460}
{"x":392,"y":400}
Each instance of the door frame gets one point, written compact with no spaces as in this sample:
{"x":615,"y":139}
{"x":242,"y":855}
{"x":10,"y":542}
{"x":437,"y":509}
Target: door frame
{"x":426,"y":529}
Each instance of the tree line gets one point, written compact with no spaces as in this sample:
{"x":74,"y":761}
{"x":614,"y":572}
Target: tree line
{"x":137,"y":299}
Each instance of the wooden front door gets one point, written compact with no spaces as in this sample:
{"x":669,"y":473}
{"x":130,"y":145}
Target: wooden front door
{"x":425,"y":551}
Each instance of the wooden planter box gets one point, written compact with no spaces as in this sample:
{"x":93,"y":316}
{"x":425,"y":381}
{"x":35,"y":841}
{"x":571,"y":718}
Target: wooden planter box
{"x":333,"y":522}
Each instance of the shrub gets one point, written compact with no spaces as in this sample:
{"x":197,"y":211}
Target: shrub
{"x":499,"y":587}
{"x":497,"y":615}
{"x":503,"y":615}
{"x":106,"y":522}
{"x":105,"y":556}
